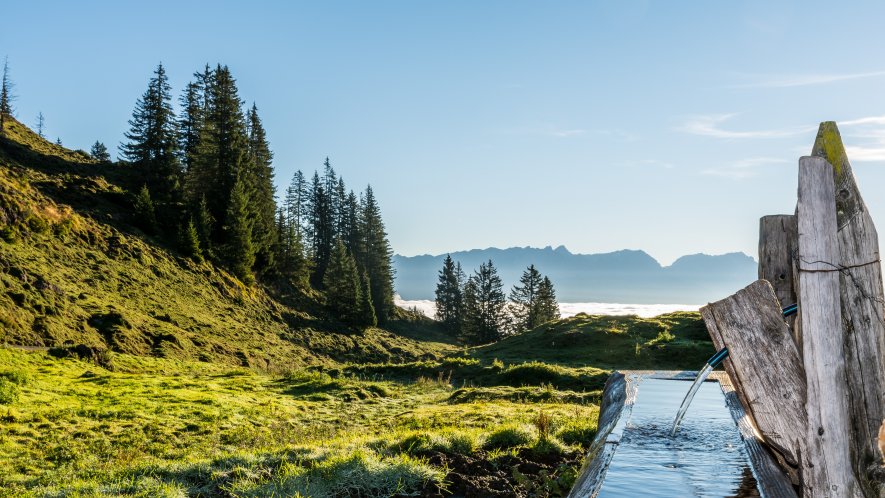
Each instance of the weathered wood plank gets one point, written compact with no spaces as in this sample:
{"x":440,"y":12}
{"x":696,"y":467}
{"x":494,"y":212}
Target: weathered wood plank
{"x":772,"y":481}
{"x":618,"y":396}
{"x":777,"y":255}
{"x":764,"y":364}
{"x":826,"y":461}
{"x":862,"y":297}
{"x":777,"y":249}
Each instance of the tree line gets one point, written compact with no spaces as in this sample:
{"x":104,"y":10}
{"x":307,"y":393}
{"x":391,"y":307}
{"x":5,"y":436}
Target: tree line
{"x":205,"y":181}
{"x":476,"y":310}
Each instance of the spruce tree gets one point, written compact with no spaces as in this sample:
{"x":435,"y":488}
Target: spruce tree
{"x":100,"y":152}
{"x":367,"y":309}
{"x":320,"y":229}
{"x":261,"y":203}
{"x":190,"y":123}
{"x":238,"y":235}
{"x":6,"y":96}
{"x":222,"y":150}
{"x":351,"y":231}
{"x":449,"y":298}
{"x":341,"y":228}
{"x":525,"y":299}
{"x":376,"y":257}
{"x":41,"y":124}
{"x":548,"y":308}
{"x":153,"y":143}
{"x":295,"y":202}
{"x":189,"y":241}
{"x":342,"y":286}
{"x":204,"y":224}
{"x":291,"y":262}
{"x":485,"y":306}
{"x":145,"y":215}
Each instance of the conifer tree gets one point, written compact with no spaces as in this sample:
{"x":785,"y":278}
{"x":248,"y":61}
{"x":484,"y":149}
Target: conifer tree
{"x":449,"y":298}
{"x":548,"y":308}
{"x":367,"y":309}
{"x":6,"y":95}
{"x":351,"y":231}
{"x":190,"y":123}
{"x":320,"y":229}
{"x":41,"y":124}
{"x":100,"y":152}
{"x":485,"y":306}
{"x":341,"y":228}
{"x":295,"y":202}
{"x":525,"y":299}
{"x":203,"y":223}
{"x":145,"y":214}
{"x":376,"y":256}
{"x":238,"y":234}
{"x":261,"y":203}
{"x":342,"y":285}
{"x":291,"y":262}
{"x":222,"y":149}
{"x":189,"y":241}
{"x":153,"y":143}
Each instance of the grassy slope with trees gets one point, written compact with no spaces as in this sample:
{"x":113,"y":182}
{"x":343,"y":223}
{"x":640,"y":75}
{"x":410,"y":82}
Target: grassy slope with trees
{"x":192,"y":383}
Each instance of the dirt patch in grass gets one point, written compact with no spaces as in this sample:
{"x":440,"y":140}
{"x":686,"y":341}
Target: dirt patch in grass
{"x":522,"y":473}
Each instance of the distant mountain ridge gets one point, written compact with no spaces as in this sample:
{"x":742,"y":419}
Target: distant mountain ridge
{"x":626,"y":276}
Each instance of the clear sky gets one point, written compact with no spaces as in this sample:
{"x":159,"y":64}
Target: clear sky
{"x":664,"y":126}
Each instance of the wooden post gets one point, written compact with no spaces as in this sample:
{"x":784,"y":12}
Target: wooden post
{"x":826,"y":461}
{"x":765,"y":367}
{"x":862,"y":297}
{"x":777,"y":256}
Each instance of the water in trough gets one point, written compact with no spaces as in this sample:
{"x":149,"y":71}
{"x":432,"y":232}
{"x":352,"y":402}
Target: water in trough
{"x":706,"y":458}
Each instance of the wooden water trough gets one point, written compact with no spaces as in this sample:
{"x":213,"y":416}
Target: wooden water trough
{"x":616,"y":408}
{"x":812,"y":387}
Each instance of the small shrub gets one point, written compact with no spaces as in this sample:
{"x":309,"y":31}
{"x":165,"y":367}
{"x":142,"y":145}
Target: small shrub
{"x":497,"y":364}
{"x":509,"y":436}
{"x":542,"y":423}
{"x":9,"y":391}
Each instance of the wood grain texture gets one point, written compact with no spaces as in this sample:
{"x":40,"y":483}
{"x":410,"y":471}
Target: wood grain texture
{"x":826,"y":463}
{"x":777,"y":255}
{"x":618,"y":396}
{"x":772,"y":481}
{"x":861,"y":303}
{"x":764,"y":365}
{"x":777,"y":249}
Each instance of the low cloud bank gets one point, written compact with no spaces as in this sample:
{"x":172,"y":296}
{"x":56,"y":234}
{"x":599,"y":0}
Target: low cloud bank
{"x":428,"y":307}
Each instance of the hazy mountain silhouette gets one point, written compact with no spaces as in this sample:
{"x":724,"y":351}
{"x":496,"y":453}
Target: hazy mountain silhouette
{"x":626,"y":276}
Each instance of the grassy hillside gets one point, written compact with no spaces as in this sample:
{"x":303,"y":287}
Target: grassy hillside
{"x":151,"y":375}
{"x":74,"y":271}
{"x":668,"y":342}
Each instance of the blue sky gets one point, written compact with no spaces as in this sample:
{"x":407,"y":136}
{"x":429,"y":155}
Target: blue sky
{"x":664,"y":126}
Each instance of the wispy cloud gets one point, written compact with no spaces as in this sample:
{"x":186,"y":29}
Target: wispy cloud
{"x":743,"y":168}
{"x":709,"y":125}
{"x":789,"y":81}
{"x":865,"y":138}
